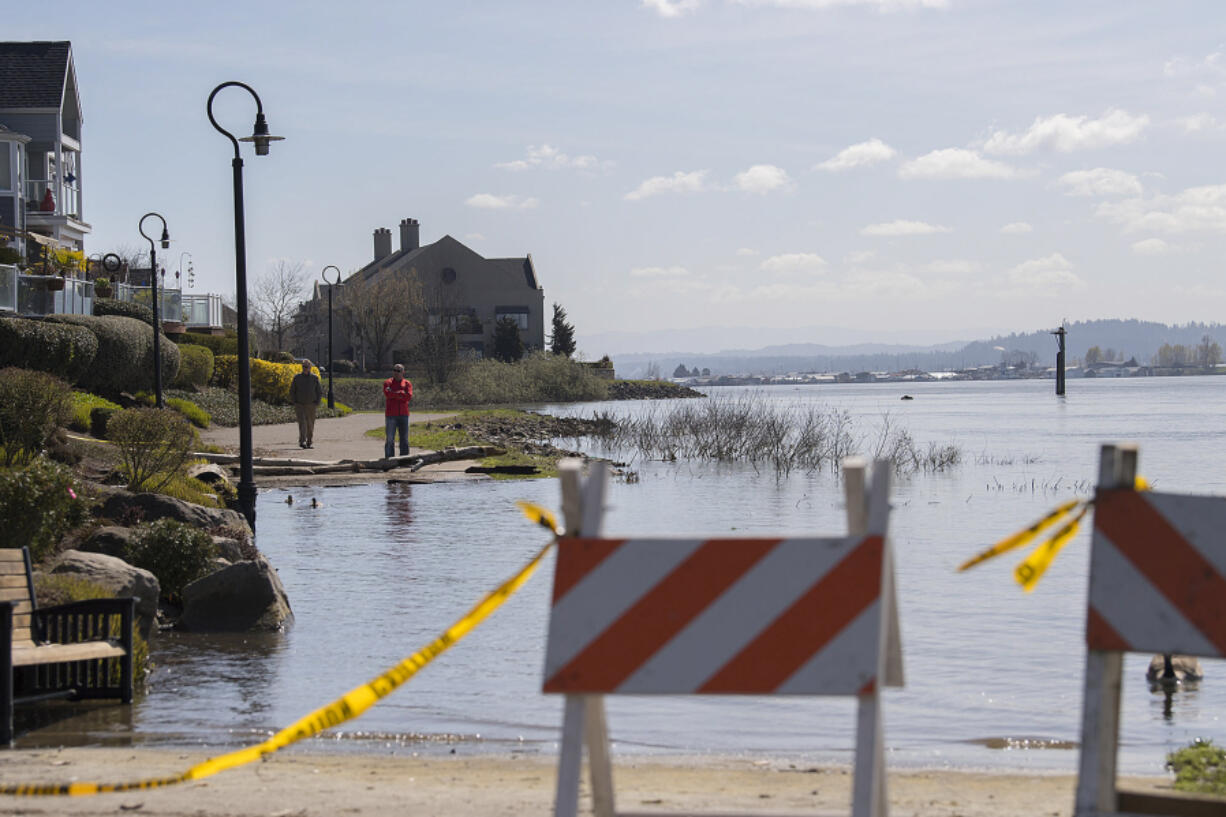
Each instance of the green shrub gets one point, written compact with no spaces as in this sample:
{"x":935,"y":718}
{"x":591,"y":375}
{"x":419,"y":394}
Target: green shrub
{"x":99,"y":419}
{"x":217,"y":344}
{"x":195,"y":366}
{"x":39,"y":504}
{"x":62,"y":350}
{"x":83,"y":405}
{"x":176,"y":553}
{"x":270,"y":381}
{"x":125,"y":354}
{"x":61,"y":588}
{"x":278,"y":357}
{"x":32,"y":406}
{"x":225,"y":371}
{"x":198,"y":416}
{"x":10,"y":256}
{"x":539,"y":377}
{"x":344,"y":367}
{"x":153,"y":444}
{"x":364,"y":394}
{"x":1199,"y":767}
{"x":196,"y":491}
{"x":124,"y":309}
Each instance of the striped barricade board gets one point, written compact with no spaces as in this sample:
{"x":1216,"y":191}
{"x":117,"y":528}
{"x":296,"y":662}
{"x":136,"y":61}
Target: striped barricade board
{"x":720,"y":616}
{"x":714,"y":616}
{"x":1158,"y":574}
{"x":1157,"y":585}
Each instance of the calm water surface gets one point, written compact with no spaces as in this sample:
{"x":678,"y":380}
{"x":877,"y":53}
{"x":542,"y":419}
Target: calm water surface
{"x":382,"y":569}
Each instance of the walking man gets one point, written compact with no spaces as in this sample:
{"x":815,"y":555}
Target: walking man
{"x":398,"y":391}
{"x":305,"y":392}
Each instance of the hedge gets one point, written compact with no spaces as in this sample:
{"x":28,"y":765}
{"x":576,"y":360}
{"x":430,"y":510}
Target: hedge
{"x":125,"y":354}
{"x":124,"y":309}
{"x":64,"y":351}
{"x":221,"y":344}
{"x":269,"y":381}
{"x":195,"y":366}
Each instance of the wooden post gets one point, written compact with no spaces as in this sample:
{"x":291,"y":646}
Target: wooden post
{"x":1060,"y":333}
{"x":1100,"y":715}
{"x":583,"y":719}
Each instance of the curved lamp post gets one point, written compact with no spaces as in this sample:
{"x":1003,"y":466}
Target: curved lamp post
{"x":331,"y":286}
{"x":261,"y":138}
{"x":153,"y":289}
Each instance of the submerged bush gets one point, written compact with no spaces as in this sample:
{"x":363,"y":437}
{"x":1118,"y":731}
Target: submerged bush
{"x":39,"y":504}
{"x":176,"y":553}
{"x":59,"y":349}
{"x":153,"y":444}
{"x":32,"y":406}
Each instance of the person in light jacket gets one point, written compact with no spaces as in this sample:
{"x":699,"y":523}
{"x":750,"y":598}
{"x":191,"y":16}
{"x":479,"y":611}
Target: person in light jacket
{"x":305,"y":392}
{"x":398,"y":391}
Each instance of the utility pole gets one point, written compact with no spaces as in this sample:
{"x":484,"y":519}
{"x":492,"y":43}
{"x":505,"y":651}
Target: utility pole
{"x":1060,"y":334}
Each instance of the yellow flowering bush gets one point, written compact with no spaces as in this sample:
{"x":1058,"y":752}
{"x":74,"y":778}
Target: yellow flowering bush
{"x":269,"y":381}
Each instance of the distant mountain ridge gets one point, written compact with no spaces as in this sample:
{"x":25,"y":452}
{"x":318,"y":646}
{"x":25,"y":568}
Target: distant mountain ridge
{"x":1128,"y":338}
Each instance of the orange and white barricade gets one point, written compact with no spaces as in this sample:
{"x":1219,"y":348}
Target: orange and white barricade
{"x":1157,"y":585}
{"x":753,"y":616}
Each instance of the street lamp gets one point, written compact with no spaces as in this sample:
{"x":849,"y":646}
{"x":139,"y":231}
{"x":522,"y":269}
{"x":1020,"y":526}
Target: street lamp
{"x":261,"y":138}
{"x":331,"y":285}
{"x":153,"y":288}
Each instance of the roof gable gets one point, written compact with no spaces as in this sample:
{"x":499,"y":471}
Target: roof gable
{"x":33,"y":75}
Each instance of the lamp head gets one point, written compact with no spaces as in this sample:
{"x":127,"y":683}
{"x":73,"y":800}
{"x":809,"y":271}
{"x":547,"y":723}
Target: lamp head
{"x":260,"y":136}
{"x":165,"y":239}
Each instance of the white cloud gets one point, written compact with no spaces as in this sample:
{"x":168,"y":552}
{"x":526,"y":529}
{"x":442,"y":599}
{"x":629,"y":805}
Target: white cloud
{"x":672,"y":8}
{"x":474,"y":236}
{"x":488,"y":201}
{"x":1064,"y":133}
{"x":1053,"y":272}
{"x":659,"y":272}
{"x":862,"y":154}
{"x":1212,"y":66}
{"x":903,"y":227}
{"x":1151,"y":246}
{"x":879,"y":5}
{"x":956,"y":163}
{"x":679,"y":182}
{"x":1199,"y":123}
{"x":548,"y":157}
{"x":1101,"y":181}
{"x":860,"y":256}
{"x":951,"y":266}
{"x":746,"y":251}
{"x":763,"y":179}
{"x":1017,"y":228}
{"x":791,"y":263}
{"x":1196,"y":209}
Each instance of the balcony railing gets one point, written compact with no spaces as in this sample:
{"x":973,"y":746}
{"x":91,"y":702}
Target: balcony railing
{"x":29,"y":294}
{"x":65,"y":198}
{"x":202,"y":310}
{"x":171,"y":301}
{"x":8,"y":288}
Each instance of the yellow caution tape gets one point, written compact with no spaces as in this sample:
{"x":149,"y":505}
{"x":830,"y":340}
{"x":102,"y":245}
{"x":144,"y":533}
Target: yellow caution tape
{"x":1035,"y":565}
{"x":541,"y":516}
{"x":347,"y":707}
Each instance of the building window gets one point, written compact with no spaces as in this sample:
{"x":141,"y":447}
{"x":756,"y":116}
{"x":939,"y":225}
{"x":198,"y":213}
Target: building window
{"x":6,"y":166}
{"x":517,"y":313}
{"x":448,"y":275}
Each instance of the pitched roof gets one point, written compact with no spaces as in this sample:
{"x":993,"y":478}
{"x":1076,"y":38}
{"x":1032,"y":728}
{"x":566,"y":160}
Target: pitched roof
{"x":32,"y":75}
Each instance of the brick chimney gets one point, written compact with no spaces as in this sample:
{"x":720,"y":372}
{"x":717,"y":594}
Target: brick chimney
{"x":409,"y":237}
{"x":383,"y":243}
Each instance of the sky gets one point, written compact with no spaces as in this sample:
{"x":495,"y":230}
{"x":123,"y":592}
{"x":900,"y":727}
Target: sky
{"x":749,"y":169}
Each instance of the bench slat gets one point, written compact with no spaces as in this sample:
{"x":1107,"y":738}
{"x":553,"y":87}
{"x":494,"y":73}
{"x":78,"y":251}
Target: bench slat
{"x":29,"y":654}
{"x":12,"y":555}
{"x":16,"y":581}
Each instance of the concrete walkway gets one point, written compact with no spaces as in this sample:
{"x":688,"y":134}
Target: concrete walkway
{"x":337,"y":438}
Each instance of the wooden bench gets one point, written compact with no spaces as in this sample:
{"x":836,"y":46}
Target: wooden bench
{"x":77,"y":650}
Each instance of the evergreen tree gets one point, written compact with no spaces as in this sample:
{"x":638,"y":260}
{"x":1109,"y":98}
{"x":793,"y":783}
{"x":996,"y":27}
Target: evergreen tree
{"x":508,"y":345}
{"x":562,"y":339}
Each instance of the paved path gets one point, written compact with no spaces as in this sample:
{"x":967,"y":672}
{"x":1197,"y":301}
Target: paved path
{"x":336,"y":438}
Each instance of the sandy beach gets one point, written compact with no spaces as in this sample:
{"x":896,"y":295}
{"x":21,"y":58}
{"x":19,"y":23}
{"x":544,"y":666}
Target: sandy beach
{"x":301,"y":783}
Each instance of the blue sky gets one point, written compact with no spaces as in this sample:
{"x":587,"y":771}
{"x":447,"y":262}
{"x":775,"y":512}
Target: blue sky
{"x":905,"y":169}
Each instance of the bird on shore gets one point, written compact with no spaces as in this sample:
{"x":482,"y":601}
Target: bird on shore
{"x":289,"y":500}
{"x":315,"y":503}
{"x":1171,"y":670}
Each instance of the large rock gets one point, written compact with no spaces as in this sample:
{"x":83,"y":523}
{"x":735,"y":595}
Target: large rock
{"x":151,"y":507}
{"x":244,"y":596}
{"x":119,"y":578}
{"x":110,"y":539}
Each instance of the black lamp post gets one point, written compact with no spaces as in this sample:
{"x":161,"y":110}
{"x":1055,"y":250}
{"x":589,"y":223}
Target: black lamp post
{"x":261,"y":138}
{"x":331,"y":285}
{"x":153,"y":288}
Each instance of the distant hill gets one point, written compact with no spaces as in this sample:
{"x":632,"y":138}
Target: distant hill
{"x":1128,"y":338}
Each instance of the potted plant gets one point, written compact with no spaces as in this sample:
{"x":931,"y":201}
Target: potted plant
{"x":102,"y":287}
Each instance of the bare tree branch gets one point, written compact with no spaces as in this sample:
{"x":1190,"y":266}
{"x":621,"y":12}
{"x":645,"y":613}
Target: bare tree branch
{"x":275,"y":298}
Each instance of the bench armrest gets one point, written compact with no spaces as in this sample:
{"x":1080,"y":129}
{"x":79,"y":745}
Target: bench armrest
{"x":90,"y":620}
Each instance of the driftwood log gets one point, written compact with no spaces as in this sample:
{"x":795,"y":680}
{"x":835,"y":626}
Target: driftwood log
{"x":276,"y":467}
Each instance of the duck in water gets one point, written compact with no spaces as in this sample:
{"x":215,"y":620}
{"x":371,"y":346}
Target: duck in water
{"x":289,"y":500}
{"x":315,"y":503}
{"x":1172,"y":670}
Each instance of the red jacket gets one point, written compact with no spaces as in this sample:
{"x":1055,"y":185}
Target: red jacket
{"x":398,"y":397}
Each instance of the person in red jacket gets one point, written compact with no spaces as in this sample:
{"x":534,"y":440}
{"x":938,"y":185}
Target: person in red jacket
{"x":398,"y":391}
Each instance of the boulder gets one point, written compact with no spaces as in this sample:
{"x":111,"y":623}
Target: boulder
{"x":118,"y":577}
{"x":229,"y":549}
{"x":118,"y":505}
{"x":244,"y":596}
{"x":112,"y":540}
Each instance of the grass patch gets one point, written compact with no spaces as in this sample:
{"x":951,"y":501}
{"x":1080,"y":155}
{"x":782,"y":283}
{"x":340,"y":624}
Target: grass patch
{"x":82,"y":404}
{"x":1199,"y":767}
{"x":221,"y":405}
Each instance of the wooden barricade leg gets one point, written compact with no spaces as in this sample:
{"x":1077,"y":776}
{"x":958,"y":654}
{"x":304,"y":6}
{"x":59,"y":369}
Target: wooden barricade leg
{"x":583,"y":721}
{"x":1100,"y":707}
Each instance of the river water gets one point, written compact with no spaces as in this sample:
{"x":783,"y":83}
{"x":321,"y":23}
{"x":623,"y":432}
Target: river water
{"x":993,"y":675}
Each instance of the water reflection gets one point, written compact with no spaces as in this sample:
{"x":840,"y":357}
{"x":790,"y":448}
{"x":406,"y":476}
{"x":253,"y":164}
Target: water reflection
{"x":73,"y":723}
